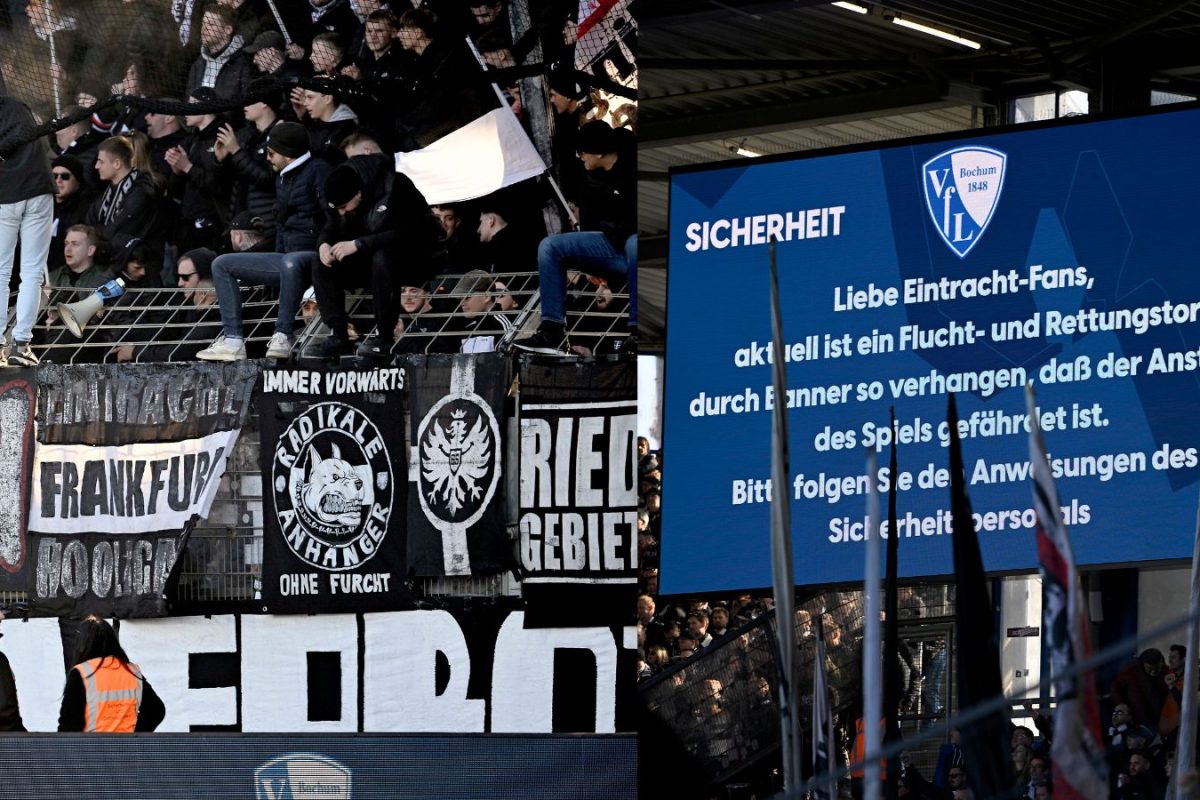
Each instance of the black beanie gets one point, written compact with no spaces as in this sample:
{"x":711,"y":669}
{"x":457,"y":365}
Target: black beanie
{"x":341,"y":185}
{"x":596,"y":137}
{"x":71,"y":164}
{"x":202,"y":260}
{"x":288,"y":139}
{"x":564,"y":83}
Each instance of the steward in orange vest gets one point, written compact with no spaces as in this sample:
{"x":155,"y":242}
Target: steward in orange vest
{"x":105,"y":691}
{"x":860,"y":749}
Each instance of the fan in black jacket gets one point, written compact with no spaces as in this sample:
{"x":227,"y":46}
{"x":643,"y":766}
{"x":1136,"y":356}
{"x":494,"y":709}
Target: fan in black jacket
{"x":379,"y":231}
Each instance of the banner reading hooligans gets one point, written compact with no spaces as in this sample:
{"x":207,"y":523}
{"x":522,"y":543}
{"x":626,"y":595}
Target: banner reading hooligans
{"x":456,"y":510}
{"x":578,"y":546}
{"x":334,"y":490}
{"x":128,"y":458}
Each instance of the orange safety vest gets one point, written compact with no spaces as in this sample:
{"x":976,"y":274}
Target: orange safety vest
{"x":114,"y":694}
{"x":860,"y":750}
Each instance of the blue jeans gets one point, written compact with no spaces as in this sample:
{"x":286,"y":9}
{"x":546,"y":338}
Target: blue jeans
{"x":29,"y":220}
{"x":588,"y":252}
{"x":289,"y":271}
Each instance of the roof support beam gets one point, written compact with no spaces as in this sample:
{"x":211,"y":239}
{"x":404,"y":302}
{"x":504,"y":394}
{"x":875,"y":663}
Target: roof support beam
{"x":687,"y":128}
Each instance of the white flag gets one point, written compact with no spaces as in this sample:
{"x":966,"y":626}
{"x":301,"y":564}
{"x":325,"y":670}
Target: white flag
{"x":477,"y":159}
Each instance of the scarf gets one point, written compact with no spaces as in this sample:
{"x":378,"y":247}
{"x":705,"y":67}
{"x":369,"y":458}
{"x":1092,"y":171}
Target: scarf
{"x":214,"y":64}
{"x":181,"y":10}
{"x":114,"y":198}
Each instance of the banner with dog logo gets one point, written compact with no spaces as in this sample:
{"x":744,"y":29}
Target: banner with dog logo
{"x":334,"y":490}
{"x":128,"y":458}
{"x":456,"y":509}
{"x":578,"y":518}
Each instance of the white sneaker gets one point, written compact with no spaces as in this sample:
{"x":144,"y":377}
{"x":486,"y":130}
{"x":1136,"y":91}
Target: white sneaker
{"x":223,"y":350}
{"x":280,"y":346}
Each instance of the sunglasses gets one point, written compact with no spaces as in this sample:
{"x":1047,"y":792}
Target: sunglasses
{"x":183,"y":276}
{"x":63,"y":176}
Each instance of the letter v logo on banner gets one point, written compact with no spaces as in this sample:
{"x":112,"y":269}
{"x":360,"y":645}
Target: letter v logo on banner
{"x":962,"y":190}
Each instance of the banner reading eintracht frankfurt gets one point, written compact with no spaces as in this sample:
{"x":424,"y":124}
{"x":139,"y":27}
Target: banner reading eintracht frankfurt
{"x":334,"y":490}
{"x":17,"y":405}
{"x":456,"y":509}
{"x":128,"y":457}
{"x":578,"y":525}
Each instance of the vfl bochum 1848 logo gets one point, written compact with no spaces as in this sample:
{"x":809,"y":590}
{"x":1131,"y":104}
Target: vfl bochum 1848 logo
{"x":962,"y":189}
{"x":299,"y":776}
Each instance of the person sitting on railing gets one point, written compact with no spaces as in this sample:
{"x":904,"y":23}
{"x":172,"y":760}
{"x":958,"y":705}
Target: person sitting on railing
{"x":299,"y":214}
{"x":378,"y":232}
{"x":606,"y":245}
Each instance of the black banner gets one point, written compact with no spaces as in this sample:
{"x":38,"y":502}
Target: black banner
{"x":17,"y":406}
{"x":456,"y":520}
{"x":578,"y":526}
{"x":128,"y":457}
{"x":334,"y":490}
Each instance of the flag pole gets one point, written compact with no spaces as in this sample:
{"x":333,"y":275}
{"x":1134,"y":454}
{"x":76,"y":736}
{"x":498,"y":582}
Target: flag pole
{"x":781,"y":552}
{"x":891,"y":633}
{"x":822,"y":724}
{"x":1185,"y":752}
{"x":989,"y":769}
{"x":1077,"y":751}
{"x":872,"y":652}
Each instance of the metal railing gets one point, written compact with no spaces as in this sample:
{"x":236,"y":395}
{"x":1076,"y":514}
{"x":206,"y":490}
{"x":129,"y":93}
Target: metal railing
{"x":171,"y":324}
{"x":222,"y":561}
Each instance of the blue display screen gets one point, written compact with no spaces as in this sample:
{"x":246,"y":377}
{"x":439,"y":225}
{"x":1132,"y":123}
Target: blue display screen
{"x":1065,"y":256}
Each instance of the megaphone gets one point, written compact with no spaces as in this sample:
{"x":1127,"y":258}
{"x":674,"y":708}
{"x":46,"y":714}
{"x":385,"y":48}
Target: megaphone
{"x":77,"y":315}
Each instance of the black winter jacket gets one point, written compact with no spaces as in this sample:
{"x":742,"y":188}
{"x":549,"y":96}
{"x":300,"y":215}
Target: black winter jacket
{"x":25,"y":172}
{"x":300,"y":206}
{"x":393,"y":215}
{"x":254,"y":180}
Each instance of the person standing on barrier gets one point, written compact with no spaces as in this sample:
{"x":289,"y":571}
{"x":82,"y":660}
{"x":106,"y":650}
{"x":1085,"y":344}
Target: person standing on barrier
{"x":299,"y":216}
{"x":27,"y":212}
{"x":105,"y":691}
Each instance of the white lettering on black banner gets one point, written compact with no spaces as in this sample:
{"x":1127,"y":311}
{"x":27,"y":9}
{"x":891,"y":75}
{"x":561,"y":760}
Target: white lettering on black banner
{"x":578,"y":494}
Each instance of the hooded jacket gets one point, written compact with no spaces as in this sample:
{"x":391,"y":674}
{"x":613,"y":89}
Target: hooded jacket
{"x":393,"y":215}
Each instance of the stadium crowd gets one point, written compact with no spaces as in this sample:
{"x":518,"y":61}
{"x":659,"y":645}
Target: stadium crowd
{"x":706,"y":669}
{"x":285,"y":199}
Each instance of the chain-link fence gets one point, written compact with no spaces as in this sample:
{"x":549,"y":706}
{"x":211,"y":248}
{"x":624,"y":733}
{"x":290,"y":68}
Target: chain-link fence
{"x":722,"y":702}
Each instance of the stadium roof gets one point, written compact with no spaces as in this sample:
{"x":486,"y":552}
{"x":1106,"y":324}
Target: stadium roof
{"x":778,"y":76}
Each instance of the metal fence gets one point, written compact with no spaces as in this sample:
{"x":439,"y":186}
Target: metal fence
{"x":721,"y":703}
{"x":223,"y":558}
{"x":172,"y":324}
